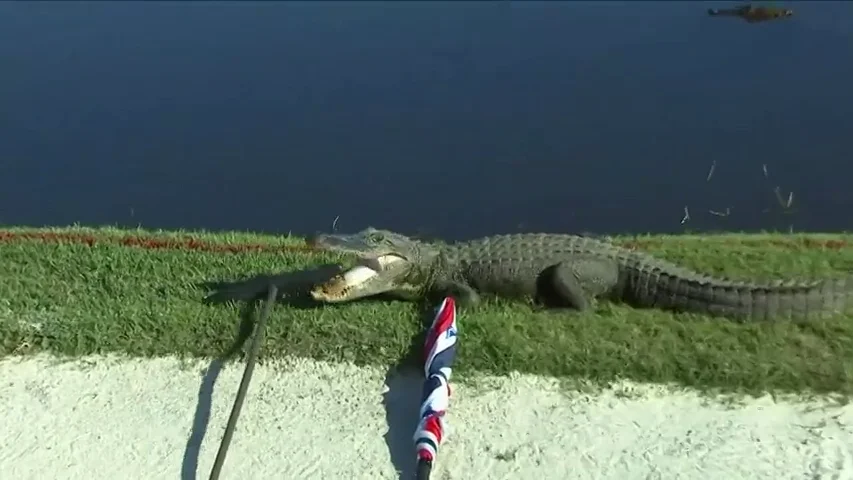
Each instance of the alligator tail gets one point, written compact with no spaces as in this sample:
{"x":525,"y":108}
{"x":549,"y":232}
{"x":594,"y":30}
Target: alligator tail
{"x":678,"y":289}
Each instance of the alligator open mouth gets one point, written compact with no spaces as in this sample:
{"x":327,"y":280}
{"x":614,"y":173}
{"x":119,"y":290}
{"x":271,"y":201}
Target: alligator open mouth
{"x":360,"y":281}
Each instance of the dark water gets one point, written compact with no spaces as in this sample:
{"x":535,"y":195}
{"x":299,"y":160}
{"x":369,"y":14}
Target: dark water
{"x":453,"y":119}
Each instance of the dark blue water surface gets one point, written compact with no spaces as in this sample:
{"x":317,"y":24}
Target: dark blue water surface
{"x":453,"y":119}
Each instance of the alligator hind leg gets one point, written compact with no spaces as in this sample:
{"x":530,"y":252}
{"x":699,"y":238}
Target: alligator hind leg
{"x":557,"y":287}
{"x":576,"y":283}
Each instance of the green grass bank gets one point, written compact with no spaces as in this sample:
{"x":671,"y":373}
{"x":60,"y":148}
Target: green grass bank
{"x":80,"y":291}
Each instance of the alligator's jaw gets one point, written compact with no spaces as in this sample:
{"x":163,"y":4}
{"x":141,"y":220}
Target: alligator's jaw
{"x":386,"y":261}
{"x":375,"y":276}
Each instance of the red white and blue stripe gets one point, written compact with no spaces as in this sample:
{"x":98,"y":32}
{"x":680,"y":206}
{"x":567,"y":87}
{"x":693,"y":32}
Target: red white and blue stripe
{"x":439,"y":353}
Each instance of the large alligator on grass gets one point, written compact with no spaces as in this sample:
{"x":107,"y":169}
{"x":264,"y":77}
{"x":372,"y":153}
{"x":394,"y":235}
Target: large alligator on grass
{"x":560,"y":270}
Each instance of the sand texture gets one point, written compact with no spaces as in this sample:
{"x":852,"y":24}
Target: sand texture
{"x":108,"y":418}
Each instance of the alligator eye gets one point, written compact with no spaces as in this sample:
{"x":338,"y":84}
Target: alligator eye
{"x":377,"y":238}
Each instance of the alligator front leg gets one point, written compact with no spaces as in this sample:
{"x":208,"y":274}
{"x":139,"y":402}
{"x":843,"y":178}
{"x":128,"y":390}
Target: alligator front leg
{"x":463,"y":293}
{"x":577,"y":283}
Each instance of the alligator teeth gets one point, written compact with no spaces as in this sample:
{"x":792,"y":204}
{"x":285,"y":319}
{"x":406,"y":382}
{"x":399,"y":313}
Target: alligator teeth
{"x":340,"y":285}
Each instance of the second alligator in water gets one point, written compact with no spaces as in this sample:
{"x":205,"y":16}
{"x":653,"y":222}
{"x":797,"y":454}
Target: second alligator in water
{"x":561,"y":270}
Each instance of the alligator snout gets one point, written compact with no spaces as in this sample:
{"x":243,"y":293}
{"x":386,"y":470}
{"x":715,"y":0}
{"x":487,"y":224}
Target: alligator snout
{"x":324,"y":241}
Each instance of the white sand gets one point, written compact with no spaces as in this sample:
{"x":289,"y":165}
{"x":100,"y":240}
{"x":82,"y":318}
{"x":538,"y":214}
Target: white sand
{"x":109,"y":419}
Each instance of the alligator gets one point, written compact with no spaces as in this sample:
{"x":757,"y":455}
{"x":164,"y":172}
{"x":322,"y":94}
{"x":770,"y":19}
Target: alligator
{"x":560,"y":270}
{"x":751,"y":13}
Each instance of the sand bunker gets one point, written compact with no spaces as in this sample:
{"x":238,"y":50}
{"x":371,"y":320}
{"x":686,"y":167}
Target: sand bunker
{"x":106,"y":418}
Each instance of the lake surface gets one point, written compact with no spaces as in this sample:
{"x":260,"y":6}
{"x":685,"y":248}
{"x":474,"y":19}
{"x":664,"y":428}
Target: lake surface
{"x":451,"y":119}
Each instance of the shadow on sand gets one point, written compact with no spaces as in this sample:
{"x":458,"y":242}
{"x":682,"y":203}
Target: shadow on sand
{"x":402,"y":402}
{"x":189,"y":466}
{"x":293,"y":288}
{"x":404,"y":382}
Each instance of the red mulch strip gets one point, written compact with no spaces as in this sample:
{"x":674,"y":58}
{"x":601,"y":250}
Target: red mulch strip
{"x":146,"y":242}
{"x":152,"y":242}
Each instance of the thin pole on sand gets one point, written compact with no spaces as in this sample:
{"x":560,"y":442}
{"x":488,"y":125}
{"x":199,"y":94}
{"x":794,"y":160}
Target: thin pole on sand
{"x":272,"y":291}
